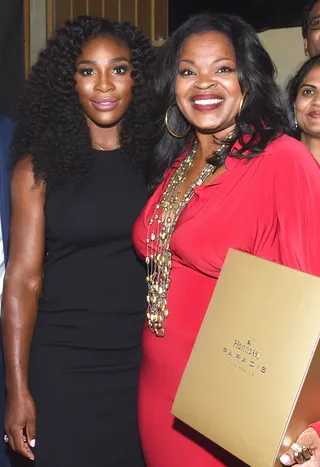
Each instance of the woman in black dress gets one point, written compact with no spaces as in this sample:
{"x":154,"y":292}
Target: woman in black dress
{"x":74,"y":295}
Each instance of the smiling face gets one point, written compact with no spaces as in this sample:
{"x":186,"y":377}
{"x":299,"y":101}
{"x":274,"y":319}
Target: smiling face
{"x":307,"y":104}
{"x":207,"y":88}
{"x":103,"y":80}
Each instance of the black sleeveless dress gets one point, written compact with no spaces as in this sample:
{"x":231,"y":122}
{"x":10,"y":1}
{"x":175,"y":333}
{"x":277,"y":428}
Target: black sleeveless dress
{"x":86,"y":349}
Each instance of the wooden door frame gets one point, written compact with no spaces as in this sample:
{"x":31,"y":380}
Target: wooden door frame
{"x":50,"y":20}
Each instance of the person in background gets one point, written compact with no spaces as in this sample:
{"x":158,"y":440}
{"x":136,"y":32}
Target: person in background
{"x":304,"y":100}
{"x":311,"y":27}
{"x":228,"y":177}
{"x":6,"y":133}
{"x":74,"y":289}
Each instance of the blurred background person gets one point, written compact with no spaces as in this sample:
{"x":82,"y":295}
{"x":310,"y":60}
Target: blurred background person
{"x":304,"y":100}
{"x":311,"y":27}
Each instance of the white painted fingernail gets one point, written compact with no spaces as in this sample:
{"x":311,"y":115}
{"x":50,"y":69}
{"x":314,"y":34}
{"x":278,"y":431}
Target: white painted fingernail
{"x":33,"y":443}
{"x":285,"y":459}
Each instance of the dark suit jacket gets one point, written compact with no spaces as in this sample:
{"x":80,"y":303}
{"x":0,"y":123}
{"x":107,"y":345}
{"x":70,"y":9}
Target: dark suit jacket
{"x":6,"y":131}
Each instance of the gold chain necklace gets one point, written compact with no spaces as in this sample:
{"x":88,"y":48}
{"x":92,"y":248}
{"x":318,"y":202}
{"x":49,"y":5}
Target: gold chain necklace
{"x":160,"y":230}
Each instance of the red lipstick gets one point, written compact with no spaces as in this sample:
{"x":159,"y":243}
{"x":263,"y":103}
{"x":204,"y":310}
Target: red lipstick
{"x":206,"y":102}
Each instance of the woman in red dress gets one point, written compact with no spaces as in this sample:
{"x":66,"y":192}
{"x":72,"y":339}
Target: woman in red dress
{"x":228,"y":177}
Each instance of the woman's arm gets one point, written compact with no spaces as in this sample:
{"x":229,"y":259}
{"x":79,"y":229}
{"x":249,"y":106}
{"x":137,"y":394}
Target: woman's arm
{"x":22,"y":287}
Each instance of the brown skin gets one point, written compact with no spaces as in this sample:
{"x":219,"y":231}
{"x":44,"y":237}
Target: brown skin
{"x":308,"y":438}
{"x":312,"y":41}
{"x":104,"y":71}
{"x":106,"y":75}
{"x":307,"y":111}
{"x":22,"y":286}
{"x":207,"y":65}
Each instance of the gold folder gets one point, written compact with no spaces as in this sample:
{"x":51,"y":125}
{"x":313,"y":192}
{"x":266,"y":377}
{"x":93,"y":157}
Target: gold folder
{"x":252,"y":383}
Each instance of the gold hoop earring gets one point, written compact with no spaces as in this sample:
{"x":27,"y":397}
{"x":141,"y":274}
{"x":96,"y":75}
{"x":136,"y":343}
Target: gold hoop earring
{"x":166,"y":118}
{"x":243,"y":98}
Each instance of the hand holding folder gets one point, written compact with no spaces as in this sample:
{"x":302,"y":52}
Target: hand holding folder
{"x":252,"y":383}
{"x":308,"y":439}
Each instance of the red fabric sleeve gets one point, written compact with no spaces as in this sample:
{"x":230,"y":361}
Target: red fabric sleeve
{"x":316,"y":426}
{"x":298,"y":207}
{"x":300,"y":220}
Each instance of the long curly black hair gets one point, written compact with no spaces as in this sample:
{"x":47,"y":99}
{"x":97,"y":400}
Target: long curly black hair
{"x":52,"y":127}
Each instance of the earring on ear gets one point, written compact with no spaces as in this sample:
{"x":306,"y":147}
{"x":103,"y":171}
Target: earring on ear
{"x":166,"y":120}
{"x":242,"y":101}
{"x":296,"y":124}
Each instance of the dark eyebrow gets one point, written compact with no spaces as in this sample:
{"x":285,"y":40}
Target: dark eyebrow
{"x":313,"y":17}
{"x":308,"y":86}
{"x":110,"y":62}
{"x":214,"y":61}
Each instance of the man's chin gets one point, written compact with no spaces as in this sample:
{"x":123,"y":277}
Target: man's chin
{"x":313,"y":51}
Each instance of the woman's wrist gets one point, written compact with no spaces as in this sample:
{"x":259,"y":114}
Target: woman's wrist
{"x":16,"y":384}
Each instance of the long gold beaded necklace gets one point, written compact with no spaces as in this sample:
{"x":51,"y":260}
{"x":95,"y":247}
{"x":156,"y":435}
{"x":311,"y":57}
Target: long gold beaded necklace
{"x":160,"y":230}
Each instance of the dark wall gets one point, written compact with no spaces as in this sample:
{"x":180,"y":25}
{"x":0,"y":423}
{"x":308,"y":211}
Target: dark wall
{"x":261,"y":14}
{"x":11,"y":55}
